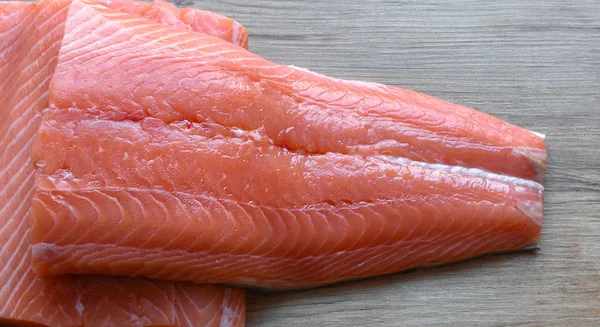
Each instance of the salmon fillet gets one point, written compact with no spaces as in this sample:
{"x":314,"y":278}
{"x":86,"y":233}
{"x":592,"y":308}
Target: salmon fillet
{"x":191,"y":19}
{"x":30,"y":36}
{"x":179,"y":156}
{"x":198,"y":78}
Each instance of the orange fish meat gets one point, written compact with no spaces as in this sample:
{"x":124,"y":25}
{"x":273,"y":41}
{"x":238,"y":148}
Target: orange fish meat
{"x":30,"y":37}
{"x":195,"y":20}
{"x":179,"y":156}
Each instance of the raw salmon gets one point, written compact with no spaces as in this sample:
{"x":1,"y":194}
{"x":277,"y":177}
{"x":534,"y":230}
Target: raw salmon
{"x":30,"y":36}
{"x":195,"y":20}
{"x":198,"y":78}
{"x":179,"y":156}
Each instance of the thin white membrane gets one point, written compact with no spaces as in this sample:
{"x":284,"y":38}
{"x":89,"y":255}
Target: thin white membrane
{"x":355,"y":82}
{"x":237,"y":33}
{"x":540,"y":135}
{"x":476,"y":172}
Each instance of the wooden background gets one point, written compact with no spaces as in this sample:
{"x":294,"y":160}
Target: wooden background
{"x":533,"y":63}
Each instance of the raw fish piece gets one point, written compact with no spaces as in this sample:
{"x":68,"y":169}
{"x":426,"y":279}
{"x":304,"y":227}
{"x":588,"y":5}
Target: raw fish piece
{"x":179,"y":156}
{"x":30,"y":35}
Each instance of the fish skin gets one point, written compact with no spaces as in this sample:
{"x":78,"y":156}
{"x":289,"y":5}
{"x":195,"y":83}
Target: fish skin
{"x":173,"y":77}
{"x":69,"y":301}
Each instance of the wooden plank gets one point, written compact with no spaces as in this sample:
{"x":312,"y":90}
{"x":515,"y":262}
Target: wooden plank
{"x":533,"y":63}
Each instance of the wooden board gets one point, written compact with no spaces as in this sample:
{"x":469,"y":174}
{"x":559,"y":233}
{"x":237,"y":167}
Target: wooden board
{"x":533,"y":63}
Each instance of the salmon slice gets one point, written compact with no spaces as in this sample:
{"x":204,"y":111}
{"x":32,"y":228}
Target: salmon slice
{"x":191,"y":19}
{"x":30,"y":36}
{"x":176,"y":76}
{"x":211,"y":204}
{"x":189,"y":159}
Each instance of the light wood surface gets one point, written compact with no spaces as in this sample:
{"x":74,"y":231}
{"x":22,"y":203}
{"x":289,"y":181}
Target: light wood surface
{"x":533,"y":63}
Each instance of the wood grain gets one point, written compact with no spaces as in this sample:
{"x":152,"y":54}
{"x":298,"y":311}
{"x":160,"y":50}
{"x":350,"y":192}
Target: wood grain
{"x":533,"y":63}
